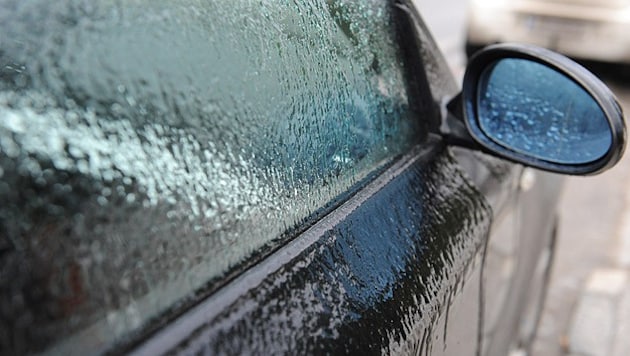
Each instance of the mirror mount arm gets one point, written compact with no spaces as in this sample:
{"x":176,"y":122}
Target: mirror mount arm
{"x":453,"y":128}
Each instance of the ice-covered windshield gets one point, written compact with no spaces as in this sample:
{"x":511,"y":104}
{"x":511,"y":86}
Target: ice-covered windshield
{"x":149,"y":149}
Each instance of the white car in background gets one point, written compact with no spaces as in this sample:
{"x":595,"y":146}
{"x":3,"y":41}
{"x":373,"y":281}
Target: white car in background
{"x":583,"y":29}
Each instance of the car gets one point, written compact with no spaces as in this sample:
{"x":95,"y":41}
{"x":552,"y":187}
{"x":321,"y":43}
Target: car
{"x":593,"y":30}
{"x":279,"y":178}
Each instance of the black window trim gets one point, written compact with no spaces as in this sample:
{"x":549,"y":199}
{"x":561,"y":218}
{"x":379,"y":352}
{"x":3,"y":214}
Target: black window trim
{"x":177,"y":331}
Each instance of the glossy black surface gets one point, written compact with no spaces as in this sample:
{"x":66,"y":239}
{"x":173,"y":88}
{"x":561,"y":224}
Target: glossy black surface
{"x":466,"y":108}
{"x":381,"y":280}
{"x":118,"y":187}
{"x":151,"y":151}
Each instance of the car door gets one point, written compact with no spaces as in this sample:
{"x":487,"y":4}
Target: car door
{"x":397,"y":268}
{"x":233,"y":178}
{"x":518,"y":261}
{"x":518,"y":251}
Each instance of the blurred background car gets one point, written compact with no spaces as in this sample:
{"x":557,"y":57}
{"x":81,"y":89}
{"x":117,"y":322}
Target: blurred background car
{"x":583,"y":29}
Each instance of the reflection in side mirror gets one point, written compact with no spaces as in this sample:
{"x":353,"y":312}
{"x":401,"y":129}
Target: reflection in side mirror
{"x":538,"y":108}
{"x":535,"y":110}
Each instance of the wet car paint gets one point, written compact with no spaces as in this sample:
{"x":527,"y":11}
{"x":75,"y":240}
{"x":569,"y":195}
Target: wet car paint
{"x":131,"y":190}
{"x":410,"y":248}
{"x":380,"y":280}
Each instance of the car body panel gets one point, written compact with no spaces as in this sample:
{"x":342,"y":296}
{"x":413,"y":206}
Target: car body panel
{"x":152,"y":151}
{"x":397,"y":262}
{"x":449,"y":329}
{"x":405,"y":249}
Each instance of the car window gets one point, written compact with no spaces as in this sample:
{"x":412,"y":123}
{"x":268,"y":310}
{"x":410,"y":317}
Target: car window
{"x":152,"y":149}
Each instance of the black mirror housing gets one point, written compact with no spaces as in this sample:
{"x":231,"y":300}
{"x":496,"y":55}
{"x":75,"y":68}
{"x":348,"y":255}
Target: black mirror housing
{"x":538,"y":108}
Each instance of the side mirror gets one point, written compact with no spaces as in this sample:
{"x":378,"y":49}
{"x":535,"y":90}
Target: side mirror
{"x":536,"y":107}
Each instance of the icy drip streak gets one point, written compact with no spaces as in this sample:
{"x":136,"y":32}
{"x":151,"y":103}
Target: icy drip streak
{"x":350,"y":292}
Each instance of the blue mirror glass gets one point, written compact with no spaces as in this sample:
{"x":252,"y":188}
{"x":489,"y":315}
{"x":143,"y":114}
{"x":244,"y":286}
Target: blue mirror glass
{"x":532,"y":109}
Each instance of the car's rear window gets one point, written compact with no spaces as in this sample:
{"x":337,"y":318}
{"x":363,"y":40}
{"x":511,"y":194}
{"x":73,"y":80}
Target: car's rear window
{"x":149,"y":149}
